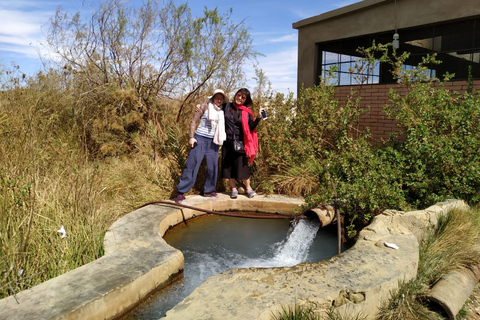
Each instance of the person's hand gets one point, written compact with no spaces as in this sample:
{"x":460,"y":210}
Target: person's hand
{"x":259,"y":115}
{"x":192,"y":142}
{"x":197,"y":108}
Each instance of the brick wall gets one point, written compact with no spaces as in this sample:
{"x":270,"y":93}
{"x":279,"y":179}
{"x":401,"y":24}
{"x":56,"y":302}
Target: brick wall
{"x":375,"y":97}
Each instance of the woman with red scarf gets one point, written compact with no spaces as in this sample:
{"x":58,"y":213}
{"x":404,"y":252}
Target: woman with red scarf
{"x":240,"y":125}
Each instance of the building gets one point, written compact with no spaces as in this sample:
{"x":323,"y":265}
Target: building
{"x":449,"y":28}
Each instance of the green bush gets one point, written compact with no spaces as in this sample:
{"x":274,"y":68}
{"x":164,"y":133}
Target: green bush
{"x":440,"y":158}
{"x":314,"y":145}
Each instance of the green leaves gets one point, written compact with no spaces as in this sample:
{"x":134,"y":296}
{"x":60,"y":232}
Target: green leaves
{"x":316,"y":138}
{"x":439,"y":150}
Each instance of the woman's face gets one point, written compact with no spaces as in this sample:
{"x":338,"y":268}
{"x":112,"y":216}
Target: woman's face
{"x":240,"y":99}
{"x":218,"y":99}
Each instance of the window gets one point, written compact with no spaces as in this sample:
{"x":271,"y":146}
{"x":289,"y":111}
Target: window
{"x":457,"y":45}
{"x":343,"y":65}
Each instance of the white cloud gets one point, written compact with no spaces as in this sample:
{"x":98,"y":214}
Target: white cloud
{"x":21,"y":28}
{"x":280,"y":67}
{"x":286,"y":38}
{"x":18,"y":23}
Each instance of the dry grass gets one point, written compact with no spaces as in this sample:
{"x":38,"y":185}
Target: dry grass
{"x":301,"y":312}
{"x":451,"y":246}
{"x":296,"y":313}
{"x":85,"y":200}
{"x":49,"y":180}
{"x":297,"y":179}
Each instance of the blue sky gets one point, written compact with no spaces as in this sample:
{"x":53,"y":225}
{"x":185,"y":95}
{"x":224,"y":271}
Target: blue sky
{"x":24,"y":22}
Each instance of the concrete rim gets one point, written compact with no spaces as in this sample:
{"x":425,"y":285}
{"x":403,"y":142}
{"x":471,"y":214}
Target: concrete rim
{"x":137,"y":262}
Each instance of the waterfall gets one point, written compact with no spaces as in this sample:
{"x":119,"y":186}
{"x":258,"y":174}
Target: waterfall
{"x":235,"y":243}
{"x":294,"y":249}
{"x":290,"y":251}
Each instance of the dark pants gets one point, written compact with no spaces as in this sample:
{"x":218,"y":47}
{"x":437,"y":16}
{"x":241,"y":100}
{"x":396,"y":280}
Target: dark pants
{"x":205,"y":148}
{"x":234,"y":164}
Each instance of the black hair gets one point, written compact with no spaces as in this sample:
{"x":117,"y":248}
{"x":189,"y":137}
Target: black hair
{"x":248,"y":97}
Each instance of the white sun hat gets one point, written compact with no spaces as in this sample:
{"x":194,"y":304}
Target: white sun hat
{"x":225,"y":98}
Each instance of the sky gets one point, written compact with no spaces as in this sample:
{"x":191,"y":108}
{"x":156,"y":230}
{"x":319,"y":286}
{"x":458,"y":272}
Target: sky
{"x":24,"y":24}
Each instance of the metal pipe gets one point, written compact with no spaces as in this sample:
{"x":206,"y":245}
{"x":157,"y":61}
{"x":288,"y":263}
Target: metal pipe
{"x":230,"y":214}
{"x":339,"y":221}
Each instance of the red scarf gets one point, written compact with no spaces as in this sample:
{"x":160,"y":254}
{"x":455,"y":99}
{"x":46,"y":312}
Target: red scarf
{"x":249,"y":137}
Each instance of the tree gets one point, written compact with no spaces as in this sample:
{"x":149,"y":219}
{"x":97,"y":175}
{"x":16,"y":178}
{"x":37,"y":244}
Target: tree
{"x":160,"y":51}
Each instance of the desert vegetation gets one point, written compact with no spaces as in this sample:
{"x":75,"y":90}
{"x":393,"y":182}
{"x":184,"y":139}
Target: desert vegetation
{"x":105,"y":131}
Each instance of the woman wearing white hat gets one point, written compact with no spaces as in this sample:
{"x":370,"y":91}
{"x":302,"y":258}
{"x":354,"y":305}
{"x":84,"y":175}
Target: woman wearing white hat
{"x":204,"y":143}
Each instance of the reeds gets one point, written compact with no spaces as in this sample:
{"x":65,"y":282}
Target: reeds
{"x":301,"y":312}
{"x":48,"y":179}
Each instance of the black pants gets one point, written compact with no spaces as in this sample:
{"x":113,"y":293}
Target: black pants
{"x":234,"y":164}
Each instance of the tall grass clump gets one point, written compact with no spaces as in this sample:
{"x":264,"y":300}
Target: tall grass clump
{"x":49,"y":178}
{"x":296,"y":313}
{"x":452,"y":245}
{"x":44,"y":184}
{"x":300,"y":312}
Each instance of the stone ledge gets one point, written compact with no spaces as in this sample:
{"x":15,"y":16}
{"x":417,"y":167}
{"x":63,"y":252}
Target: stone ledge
{"x":137,"y":262}
{"x":356,"y":281}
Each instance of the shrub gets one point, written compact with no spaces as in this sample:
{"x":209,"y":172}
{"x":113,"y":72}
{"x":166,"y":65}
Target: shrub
{"x":436,"y":160}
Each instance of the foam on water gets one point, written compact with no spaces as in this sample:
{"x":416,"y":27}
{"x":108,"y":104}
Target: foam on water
{"x":201,"y":264}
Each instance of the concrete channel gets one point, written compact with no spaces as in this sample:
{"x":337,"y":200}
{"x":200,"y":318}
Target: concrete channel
{"x":137,"y":262}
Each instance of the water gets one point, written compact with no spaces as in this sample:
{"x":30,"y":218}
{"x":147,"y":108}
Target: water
{"x":213,"y":244}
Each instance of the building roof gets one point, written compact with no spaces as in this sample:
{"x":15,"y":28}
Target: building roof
{"x":362,"y":5}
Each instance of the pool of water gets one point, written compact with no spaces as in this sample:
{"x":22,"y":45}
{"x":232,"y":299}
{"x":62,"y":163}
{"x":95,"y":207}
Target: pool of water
{"x":213,"y":244}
